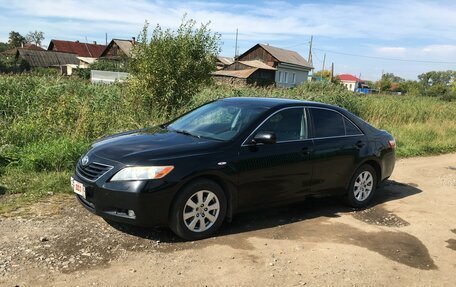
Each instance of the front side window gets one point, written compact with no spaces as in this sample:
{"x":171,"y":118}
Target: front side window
{"x":329,"y":123}
{"x":288,"y":125}
{"x":220,"y":120}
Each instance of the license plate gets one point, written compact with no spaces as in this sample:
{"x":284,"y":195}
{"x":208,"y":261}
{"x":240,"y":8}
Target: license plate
{"x":78,"y":187}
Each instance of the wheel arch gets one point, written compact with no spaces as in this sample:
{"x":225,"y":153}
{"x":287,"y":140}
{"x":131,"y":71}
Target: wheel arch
{"x":372,"y":161}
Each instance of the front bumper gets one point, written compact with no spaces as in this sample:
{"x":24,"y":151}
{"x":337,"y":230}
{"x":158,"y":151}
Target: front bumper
{"x":149,"y":200}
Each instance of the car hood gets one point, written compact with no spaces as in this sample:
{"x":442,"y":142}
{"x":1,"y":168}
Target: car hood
{"x":142,"y":146}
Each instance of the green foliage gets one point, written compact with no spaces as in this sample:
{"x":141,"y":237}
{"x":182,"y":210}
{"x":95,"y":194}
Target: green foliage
{"x":168,"y":69}
{"x":3,"y":47}
{"x":15,"y":40}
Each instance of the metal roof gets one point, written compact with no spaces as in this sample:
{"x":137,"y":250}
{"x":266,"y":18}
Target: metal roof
{"x":241,"y":74}
{"x":125,"y":45}
{"x":257,"y":64}
{"x":78,"y":48}
{"x":283,"y":56}
{"x":46,"y":58}
{"x":225,"y":60}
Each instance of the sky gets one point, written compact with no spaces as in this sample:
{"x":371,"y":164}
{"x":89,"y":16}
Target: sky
{"x":364,"y":38}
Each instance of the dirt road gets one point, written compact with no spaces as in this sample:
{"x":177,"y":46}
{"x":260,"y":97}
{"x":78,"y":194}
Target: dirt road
{"x":407,"y":238}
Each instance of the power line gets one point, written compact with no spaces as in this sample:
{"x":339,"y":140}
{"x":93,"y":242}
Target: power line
{"x":383,"y":58}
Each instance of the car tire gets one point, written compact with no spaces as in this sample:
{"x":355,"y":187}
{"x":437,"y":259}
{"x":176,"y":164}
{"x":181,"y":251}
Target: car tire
{"x":362,"y":186}
{"x":198,"y":210}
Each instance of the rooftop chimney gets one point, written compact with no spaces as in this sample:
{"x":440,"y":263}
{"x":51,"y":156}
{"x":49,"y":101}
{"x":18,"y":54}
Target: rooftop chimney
{"x":94,"y":42}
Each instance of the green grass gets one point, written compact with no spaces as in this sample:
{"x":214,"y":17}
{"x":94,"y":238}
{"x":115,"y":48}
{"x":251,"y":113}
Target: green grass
{"x":47,"y":122}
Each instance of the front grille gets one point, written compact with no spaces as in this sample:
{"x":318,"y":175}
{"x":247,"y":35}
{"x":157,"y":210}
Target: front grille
{"x":93,"y":171}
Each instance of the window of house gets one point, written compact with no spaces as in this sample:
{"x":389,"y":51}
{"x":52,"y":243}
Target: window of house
{"x":293,"y":78}
{"x":285,"y":77}
{"x":288,"y":125}
{"x":280,"y":77}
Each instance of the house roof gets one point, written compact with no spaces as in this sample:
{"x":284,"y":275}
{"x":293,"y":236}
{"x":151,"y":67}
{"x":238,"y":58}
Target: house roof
{"x":225,"y":60}
{"x":125,"y":45}
{"x":348,"y":78}
{"x":78,"y":48}
{"x":283,"y":55}
{"x":241,"y":74}
{"x":46,"y":58}
{"x":27,"y":46}
{"x":257,"y":64}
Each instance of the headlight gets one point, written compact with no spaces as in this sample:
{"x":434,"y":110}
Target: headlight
{"x":142,"y":173}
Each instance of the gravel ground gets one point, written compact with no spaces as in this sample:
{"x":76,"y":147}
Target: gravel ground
{"x":407,"y":237}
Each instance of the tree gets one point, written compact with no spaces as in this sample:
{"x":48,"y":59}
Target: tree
{"x":171,"y":66}
{"x":438,"y":83}
{"x":35,"y":37}
{"x":3,"y":47}
{"x":386,"y":82}
{"x":15,"y":39}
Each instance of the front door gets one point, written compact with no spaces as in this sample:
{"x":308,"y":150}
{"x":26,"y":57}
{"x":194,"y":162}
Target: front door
{"x":279,"y":172}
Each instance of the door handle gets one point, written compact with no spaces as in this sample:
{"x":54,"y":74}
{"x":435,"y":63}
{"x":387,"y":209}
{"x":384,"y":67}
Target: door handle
{"x":360,"y":144}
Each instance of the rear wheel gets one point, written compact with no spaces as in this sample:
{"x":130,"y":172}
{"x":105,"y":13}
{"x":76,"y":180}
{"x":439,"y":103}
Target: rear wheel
{"x":199,"y":210}
{"x":362,"y":186}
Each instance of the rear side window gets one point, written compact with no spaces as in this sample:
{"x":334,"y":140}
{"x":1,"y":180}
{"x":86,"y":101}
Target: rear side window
{"x":351,"y":129}
{"x":329,"y":123}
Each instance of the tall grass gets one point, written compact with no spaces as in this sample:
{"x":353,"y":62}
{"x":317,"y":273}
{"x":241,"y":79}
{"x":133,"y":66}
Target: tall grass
{"x":46,"y":122}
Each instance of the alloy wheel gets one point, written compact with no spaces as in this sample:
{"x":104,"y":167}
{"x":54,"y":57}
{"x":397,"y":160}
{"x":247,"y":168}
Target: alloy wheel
{"x":363,"y":185}
{"x":201,"y":211}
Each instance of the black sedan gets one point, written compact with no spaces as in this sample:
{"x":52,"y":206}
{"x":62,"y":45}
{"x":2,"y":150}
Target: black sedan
{"x":229,"y":156}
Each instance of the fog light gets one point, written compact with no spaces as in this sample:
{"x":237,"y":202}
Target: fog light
{"x":131,"y":213}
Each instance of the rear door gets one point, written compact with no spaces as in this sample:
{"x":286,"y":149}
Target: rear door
{"x":338,"y":145}
{"x":280,"y":172}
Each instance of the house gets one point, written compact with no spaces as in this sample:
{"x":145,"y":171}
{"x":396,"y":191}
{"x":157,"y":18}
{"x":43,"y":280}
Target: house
{"x":223,"y":62}
{"x":351,"y":82}
{"x":12,"y":52}
{"x":252,"y":72}
{"x":87,"y":50}
{"x":118,"y":50}
{"x":292,"y":68}
{"x":47,"y":59}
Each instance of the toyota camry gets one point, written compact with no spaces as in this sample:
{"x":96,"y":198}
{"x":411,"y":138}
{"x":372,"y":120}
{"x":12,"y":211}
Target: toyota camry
{"x":230,"y":156}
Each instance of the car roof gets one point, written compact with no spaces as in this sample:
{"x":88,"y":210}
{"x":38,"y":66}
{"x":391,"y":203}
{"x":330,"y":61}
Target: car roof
{"x":275,"y":102}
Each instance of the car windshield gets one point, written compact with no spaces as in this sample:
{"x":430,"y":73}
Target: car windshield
{"x":220,"y":120}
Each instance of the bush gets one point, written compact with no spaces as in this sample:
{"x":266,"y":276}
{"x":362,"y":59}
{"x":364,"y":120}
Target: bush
{"x":170,"y":68}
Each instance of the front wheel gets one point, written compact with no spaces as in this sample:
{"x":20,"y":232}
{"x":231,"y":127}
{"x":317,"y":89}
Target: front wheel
{"x":362,"y":186}
{"x":199,"y":210}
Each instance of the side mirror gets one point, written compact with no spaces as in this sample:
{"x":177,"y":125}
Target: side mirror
{"x":264,"y":138}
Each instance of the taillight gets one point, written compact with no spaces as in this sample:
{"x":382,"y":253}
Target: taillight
{"x":392,"y":144}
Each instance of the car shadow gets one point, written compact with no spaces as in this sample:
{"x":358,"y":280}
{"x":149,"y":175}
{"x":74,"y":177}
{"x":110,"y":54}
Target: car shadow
{"x":278,"y":216}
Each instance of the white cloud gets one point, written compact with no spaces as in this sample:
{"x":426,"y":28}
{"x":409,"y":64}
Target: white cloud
{"x":391,"y":51}
{"x":383,"y":20}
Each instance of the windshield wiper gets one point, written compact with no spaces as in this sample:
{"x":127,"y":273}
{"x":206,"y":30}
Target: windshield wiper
{"x":187,"y":133}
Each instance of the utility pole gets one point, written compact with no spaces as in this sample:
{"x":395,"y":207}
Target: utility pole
{"x":236,"y":45}
{"x":332,"y":72}
{"x":309,"y":58}
{"x":106,"y":39}
{"x":324,"y":60}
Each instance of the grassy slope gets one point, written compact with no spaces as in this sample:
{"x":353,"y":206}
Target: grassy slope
{"x":47,"y":122}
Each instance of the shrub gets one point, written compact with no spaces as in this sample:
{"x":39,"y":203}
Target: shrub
{"x":168,"y":69}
